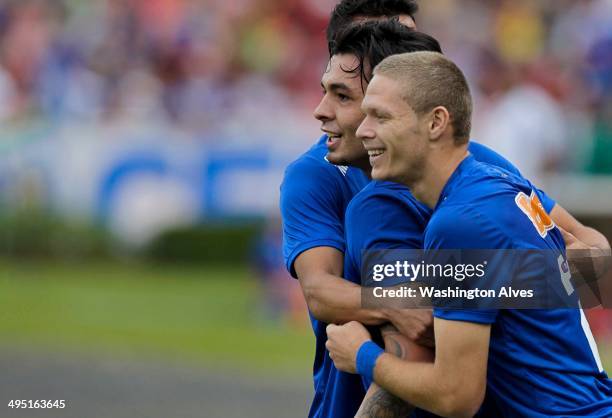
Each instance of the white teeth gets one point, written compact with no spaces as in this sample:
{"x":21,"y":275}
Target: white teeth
{"x":375,"y":152}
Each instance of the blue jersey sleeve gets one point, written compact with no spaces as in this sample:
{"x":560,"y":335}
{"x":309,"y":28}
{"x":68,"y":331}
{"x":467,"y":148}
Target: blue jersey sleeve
{"x":311,"y":209}
{"x":547,"y":202}
{"x":465,"y":228}
{"x":486,"y":155}
{"x":382,"y":219}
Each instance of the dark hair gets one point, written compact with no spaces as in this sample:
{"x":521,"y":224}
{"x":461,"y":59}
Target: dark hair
{"x":347,"y":10}
{"x":371,"y":42}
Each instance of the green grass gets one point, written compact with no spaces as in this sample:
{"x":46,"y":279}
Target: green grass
{"x":203,"y":314}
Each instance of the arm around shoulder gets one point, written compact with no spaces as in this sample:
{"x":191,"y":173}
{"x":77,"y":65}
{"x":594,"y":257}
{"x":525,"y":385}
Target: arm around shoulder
{"x":329,"y":297}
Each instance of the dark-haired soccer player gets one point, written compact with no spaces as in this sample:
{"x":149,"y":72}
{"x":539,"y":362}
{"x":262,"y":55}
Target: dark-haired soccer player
{"x":314,"y":196}
{"x":531,"y":363}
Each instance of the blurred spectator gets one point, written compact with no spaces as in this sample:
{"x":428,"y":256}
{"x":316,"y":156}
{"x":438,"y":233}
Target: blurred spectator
{"x":519,"y":31}
{"x":538,"y":84}
{"x":214,"y":68}
{"x":192,"y":64}
{"x":600,"y":321}
{"x":519,"y":119}
{"x":599,"y":72}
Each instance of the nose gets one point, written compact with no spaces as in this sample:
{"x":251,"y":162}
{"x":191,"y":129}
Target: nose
{"x":323,"y":111}
{"x":365,"y":131}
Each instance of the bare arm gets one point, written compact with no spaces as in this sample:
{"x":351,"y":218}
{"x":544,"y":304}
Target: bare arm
{"x":379,"y":403}
{"x":334,"y":300}
{"x":329,"y":297}
{"x":587,"y":235}
{"x":453,"y":385}
{"x":589,"y":256}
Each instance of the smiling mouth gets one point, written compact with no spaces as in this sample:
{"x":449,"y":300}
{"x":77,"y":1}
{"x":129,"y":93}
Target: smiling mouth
{"x":333,"y":140}
{"x":375,"y":154}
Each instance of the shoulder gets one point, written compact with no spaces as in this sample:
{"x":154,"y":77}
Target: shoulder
{"x":385,"y":198}
{"x":385,"y":215}
{"x":311,"y":162}
{"x":464,"y":226}
{"x":485,"y":154}
{"x":387,"y":191}
{"x":310,"y":171}
{"x":476,"y":211}
{"x":485,"y":184}
{"x":484,"y":210}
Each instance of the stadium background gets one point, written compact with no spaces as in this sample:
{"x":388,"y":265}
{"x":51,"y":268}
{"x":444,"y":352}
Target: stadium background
{"x":142,"y":146}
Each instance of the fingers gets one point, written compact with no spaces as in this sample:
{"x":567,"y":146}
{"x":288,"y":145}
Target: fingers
{"x":328,"y":346}
{"x":332,"y":335}
{"x":333,"y":331}
{"x":389,"y":329}
{"x":349,"y":325}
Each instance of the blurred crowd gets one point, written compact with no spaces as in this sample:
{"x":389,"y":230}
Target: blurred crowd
{"x":249,"y":70}
{"x":541,"y":74}
{"x":210,"y":67}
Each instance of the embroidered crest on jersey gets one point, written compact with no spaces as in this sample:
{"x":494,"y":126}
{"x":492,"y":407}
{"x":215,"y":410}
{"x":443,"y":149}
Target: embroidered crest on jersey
{"x":532,"y":207}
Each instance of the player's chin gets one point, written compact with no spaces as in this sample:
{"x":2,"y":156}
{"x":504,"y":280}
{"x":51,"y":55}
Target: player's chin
{"x":337,"y":157}
{"x":380,"y":173}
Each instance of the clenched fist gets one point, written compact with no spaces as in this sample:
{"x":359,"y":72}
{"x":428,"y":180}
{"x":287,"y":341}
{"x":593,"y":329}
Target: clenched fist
{"x":343,"y":342}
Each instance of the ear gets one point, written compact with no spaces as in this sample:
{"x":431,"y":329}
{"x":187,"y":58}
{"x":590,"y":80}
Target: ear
{"x":439,"y":121}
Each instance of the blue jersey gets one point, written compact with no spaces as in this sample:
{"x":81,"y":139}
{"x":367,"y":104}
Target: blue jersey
{"x":542,"y":363}
{"x":385,"y":215}
{"x":314,"y":197}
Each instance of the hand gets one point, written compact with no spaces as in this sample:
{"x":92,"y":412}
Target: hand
{"x":415,"y":324}
{"x":343,"y":343}
{"x":587,"y":262}
{"x":571,"y":242}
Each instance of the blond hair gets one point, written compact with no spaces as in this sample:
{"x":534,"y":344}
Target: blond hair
{"x":429,"y":79}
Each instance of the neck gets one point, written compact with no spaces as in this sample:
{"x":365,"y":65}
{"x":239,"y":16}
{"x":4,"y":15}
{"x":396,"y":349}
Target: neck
{"x":441,"y":164}
{"x":364,"y":165}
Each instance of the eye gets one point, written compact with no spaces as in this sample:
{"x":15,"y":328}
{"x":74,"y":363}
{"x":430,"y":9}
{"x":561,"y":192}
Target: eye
{"x":343,"y":97}
{"x":381,"y":118}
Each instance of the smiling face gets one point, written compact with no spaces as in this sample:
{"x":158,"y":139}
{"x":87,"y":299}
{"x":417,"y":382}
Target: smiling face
{"x":340,"y":111}
{"x":395,"y":137}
